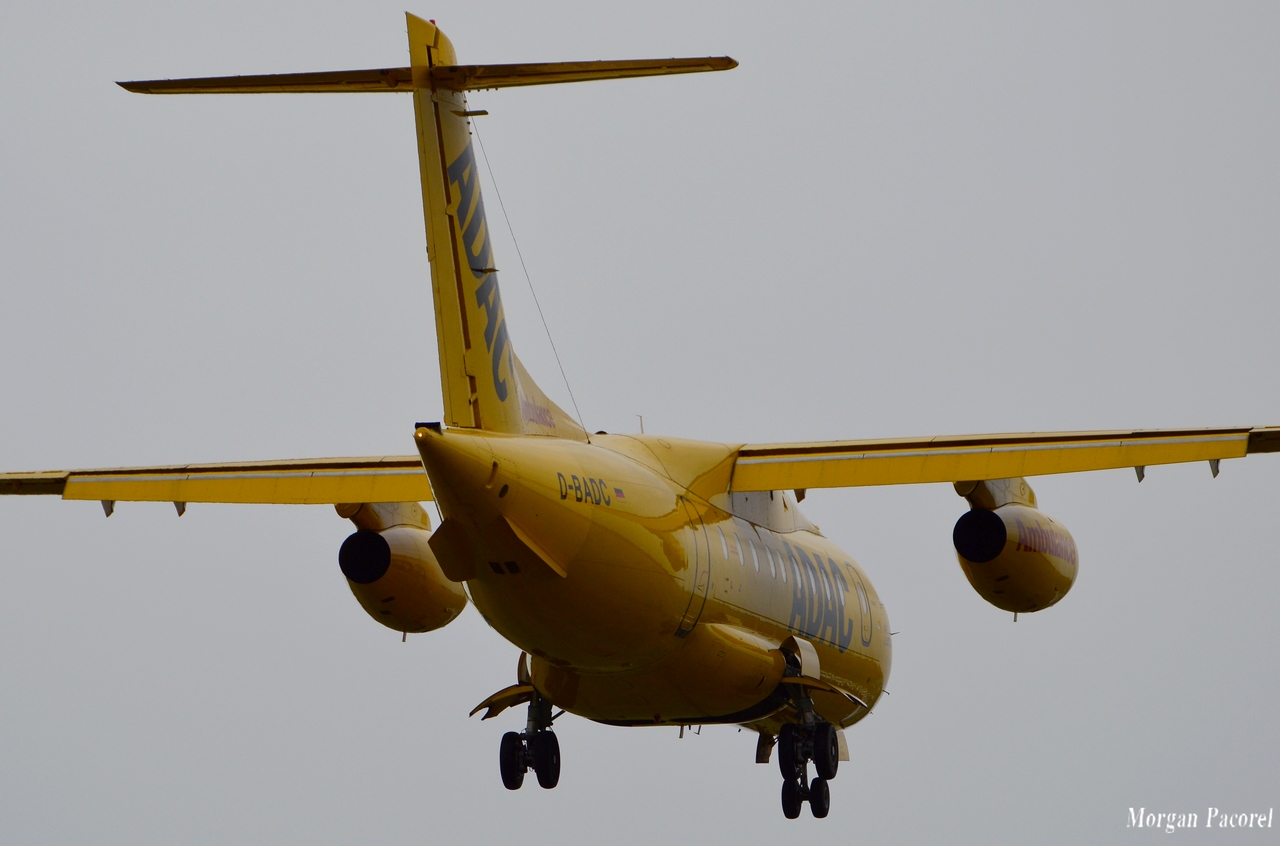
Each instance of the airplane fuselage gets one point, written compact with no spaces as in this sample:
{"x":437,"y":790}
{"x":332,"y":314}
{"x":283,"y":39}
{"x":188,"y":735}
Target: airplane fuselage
{"x":645,"y":592}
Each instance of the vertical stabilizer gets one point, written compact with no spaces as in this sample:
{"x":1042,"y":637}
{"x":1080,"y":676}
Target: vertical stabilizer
{"x":484,"y":385}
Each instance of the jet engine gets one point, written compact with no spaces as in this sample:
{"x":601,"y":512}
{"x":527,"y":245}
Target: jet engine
{"x":393,"y":572}
{"x":1017,"y":558}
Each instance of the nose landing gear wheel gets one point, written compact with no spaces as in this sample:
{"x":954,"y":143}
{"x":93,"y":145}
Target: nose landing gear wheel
{"x":819,"y":798}
{"x":511,"y":761}
{"x":544,"y":748}
{"x":791,"y":799}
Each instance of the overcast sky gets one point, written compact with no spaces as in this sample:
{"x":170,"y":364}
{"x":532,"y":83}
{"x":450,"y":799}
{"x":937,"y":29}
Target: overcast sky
{"x":890,"y":220}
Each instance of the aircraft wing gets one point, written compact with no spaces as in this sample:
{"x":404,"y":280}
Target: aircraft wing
{"x":903,"y":461}
{"x":316,"y":481}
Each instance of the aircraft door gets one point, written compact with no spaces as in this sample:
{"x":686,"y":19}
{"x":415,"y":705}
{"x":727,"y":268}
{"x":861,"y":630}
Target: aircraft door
{"x":699,"y":556}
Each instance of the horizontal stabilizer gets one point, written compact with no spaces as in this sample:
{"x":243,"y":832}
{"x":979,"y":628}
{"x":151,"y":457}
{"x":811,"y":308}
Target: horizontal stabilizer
{"x":451,"y":77}
{"x":318,"y":481}
{"x":475,"y":77}
{"x":324,"y":82}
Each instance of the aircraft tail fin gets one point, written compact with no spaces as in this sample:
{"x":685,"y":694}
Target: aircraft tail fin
{"x":483,"y":382}
{"x":484,"y":386}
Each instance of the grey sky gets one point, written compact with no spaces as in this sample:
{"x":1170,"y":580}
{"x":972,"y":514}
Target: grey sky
{"x":892,"y":219}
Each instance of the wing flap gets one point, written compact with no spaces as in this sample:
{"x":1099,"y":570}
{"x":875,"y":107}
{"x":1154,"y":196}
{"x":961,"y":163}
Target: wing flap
{"x":323,"y":481}
{"x":977,"y":457}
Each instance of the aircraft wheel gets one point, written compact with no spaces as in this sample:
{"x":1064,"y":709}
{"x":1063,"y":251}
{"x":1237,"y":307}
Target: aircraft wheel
{"x":791,"y":799}
{"x":826,"y":750}
{"x":789,"y":760}
{"x":819,"y":797}
{"x":546,"y":758}
{"x":511,"y":761}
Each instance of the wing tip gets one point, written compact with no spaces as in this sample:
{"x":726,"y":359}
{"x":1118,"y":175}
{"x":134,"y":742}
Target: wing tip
{"x":34,"y":484}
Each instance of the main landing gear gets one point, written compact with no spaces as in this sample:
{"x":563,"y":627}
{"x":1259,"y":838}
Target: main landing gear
{"x":536,"y":748}
{"x":797,"y":746}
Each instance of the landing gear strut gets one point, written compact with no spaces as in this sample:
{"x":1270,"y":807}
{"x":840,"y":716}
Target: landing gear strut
{"x":811,"y":740}
{"x":536,"y":748}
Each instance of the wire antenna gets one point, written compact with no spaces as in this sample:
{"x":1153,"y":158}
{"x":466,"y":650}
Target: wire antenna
{"x":523,"y":267}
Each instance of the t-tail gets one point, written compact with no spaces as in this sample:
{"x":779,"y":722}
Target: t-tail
{"x":483,"y":382}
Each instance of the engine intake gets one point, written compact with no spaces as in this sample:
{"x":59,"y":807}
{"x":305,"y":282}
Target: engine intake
{"x":979,"y":536}
{"x":365,"y":557}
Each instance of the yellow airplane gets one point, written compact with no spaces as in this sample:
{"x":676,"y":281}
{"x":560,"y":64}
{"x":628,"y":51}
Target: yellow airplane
{"x":646,"y":580}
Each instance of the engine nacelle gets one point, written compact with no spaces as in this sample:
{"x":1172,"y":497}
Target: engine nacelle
{"x":1017,"y":558}
{"x":392,"y":571}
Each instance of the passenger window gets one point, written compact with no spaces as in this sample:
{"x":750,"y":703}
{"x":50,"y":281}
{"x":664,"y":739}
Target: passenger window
{"x":724,"y":544}
{"x":815,"y":575}
{"x":736,"y":548}
{"x":755,"y":554}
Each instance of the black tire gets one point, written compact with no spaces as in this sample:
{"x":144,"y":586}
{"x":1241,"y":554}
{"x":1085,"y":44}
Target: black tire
{"x":791,"y":799}
{"x":546,"y":758}
{"x":826,"y":750}
{"x":789,"y":760}
{"x":819,"y":797}
{"x":511,"y":760}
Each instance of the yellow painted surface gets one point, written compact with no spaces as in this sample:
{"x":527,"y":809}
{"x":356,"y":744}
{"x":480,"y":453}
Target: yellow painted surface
{"x":322,"y":481}
{"x":484,"y":386}
{"x":652,"y":580}
{"x":643,"y":554}
{"x":975,"y":457}
{"x":1035,"y":570}
{"x":414,"y":595}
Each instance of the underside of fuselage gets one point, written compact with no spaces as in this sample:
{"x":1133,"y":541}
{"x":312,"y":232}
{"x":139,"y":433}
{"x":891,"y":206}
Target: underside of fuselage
{"x":646,"y":593}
